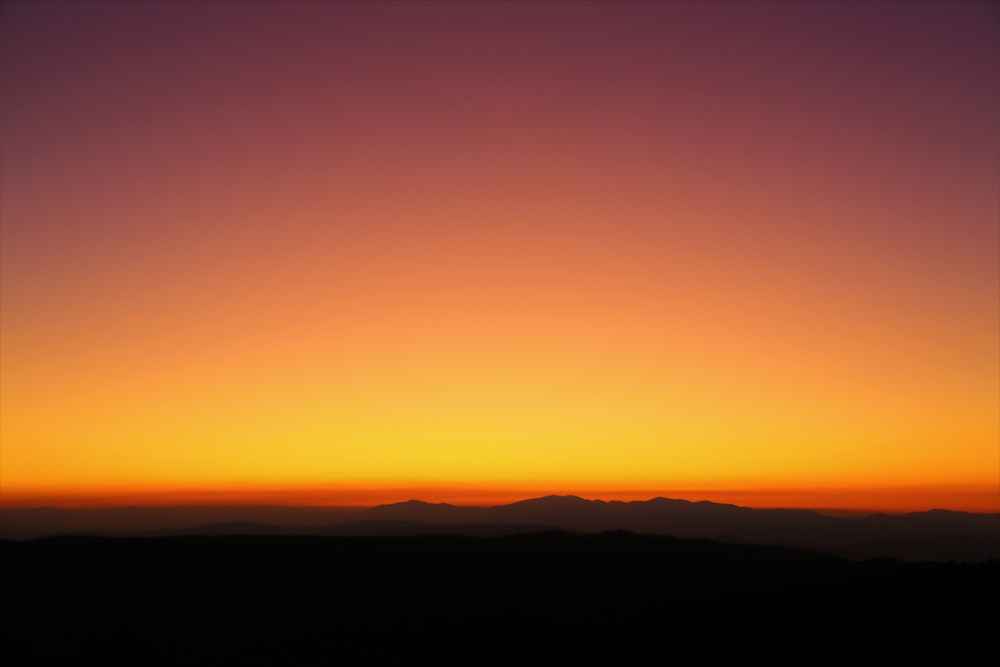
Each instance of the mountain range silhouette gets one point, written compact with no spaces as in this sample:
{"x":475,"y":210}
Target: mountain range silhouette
{"x":556,"y":579}
{"x":936,"y":535}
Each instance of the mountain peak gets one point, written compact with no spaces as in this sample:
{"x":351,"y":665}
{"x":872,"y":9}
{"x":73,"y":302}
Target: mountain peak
{"x":555,"y":500}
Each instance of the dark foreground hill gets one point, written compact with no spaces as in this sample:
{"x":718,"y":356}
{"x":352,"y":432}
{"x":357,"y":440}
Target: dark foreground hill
{"x":555,"y":598}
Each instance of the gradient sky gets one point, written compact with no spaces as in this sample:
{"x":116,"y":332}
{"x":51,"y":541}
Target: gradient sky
{"x":340,"y":252}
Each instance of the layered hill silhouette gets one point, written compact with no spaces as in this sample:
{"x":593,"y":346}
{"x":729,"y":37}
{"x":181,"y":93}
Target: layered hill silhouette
{"x":936,"y":535}
{"x":559,"y":579}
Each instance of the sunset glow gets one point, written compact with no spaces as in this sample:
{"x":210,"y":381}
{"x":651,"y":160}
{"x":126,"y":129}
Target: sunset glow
{"x":349,"y":253}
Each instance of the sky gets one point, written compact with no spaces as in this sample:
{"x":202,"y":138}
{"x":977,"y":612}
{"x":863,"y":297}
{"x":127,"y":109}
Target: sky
{"x":357,"y":252}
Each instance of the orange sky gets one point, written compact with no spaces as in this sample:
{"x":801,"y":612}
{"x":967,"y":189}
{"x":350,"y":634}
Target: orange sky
{"x":341,"y":252}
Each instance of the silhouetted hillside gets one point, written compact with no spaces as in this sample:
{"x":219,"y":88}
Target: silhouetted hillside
{"x":936,"y":535}
{"x":551,"y":596}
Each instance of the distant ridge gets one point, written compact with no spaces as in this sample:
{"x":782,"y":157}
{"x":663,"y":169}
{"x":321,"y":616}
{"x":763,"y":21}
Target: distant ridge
{"x":936,"y":535}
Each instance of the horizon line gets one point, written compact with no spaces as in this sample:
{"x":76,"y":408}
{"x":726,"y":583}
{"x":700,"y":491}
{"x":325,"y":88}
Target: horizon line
{"x":887,"y":503}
